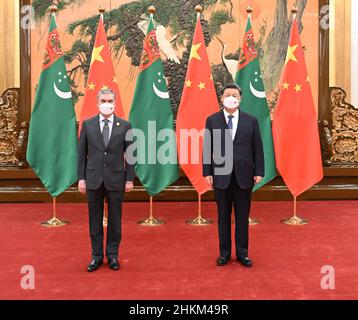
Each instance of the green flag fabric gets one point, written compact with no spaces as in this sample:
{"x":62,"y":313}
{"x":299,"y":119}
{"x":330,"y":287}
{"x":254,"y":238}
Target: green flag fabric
{"x":151,"y":113}
{"x":254,"y":101}
{"x":52,"y":150}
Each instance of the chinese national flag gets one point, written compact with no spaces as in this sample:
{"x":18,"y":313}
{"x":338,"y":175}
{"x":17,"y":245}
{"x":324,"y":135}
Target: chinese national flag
{"x":295,"y":128}
{"x":101,"y":76}
{"x":198,"y":101}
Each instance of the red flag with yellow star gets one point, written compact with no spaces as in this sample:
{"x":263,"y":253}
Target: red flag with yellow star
{"x":198,"y":101}
{"x":295,"y":128}
{"x":101,"y":76}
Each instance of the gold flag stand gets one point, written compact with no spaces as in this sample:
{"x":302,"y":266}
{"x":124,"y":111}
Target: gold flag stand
{"x":54,"y":221}
{"x":199,"y":220}
{"x":151,"y":221}
{"x":295,"y":221}
{"x":253,"y":222}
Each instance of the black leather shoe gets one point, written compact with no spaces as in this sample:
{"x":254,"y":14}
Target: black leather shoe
{"x":94,"y":265}
{"x":113,"y":264}
{"x":221,"y":261}
{"x":245,"y":261}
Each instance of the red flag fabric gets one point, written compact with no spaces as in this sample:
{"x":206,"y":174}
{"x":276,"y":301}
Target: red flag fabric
{"x":198,"y":101}
{"x":295,"y":128}
{"x":101,"y":76}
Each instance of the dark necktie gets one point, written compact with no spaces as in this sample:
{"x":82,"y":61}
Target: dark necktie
{"x":230,"y":124}
{"x":105,"y":132}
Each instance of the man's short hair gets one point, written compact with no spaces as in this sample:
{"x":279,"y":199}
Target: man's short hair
{"x":105,"y":91}
{"x":232,"y":86}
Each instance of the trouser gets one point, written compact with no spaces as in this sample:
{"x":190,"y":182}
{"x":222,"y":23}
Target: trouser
{"x":241,"y":198}
{"x":114,"y":226}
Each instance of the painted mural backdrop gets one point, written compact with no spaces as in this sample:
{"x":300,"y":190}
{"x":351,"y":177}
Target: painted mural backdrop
{"x":224,"y":24}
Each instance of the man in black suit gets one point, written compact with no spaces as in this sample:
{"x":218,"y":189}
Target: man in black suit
{"x":233,"y":163}
{"x":104,"y":173}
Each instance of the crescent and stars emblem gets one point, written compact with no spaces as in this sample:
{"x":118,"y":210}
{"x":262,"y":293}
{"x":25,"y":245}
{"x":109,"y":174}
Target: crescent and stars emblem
{"x":254,"y":91}
{"x":159,"y":93}
{"x":59,"y":93}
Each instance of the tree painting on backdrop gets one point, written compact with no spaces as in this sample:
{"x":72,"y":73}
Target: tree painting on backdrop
{"x":223,"y":21}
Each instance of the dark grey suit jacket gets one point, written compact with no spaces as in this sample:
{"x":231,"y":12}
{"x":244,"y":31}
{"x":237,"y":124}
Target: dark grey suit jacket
{"x":98,"y":164}
{"x":247,"y":153}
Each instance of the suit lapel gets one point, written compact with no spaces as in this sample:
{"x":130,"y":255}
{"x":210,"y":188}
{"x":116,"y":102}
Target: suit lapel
{"x":98,"y":131}
{"x":223,"y":120}
{"x":115,"y":129}
{"x":239,"y":126}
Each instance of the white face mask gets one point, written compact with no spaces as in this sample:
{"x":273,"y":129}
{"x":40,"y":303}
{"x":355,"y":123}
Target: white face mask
{"x":106,"y":108}
{"x":231,"y":102}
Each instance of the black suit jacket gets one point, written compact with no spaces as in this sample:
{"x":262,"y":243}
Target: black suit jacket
{"x":247,"y":154}
{"x":98,"y":164}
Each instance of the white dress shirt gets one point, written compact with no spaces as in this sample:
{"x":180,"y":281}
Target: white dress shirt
{"x":235,"y":121}
{"x":110,"y":123}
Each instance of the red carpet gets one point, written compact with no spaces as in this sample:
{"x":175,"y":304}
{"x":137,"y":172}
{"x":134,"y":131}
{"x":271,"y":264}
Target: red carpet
{"x":177,"y":261}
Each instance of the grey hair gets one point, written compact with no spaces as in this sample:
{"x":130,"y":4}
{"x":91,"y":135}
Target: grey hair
{"x":105,"y":91}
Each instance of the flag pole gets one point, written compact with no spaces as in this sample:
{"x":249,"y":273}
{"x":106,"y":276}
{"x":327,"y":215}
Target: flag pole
{"x":54,"y":221}
{"x":151,"y":221}
{"x":105,"y":214}
{"x":199,"y":220}
{"x":250,"y":10}
{"x":295,"y":220}
{"x":101,"y":11}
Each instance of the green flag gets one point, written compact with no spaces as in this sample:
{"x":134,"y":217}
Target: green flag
{"x":53,"y":145}
{"x":151,"y":113}
{"x":254,"y":101}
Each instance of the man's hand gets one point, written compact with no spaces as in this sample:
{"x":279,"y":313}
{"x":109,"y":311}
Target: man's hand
{"x":258,"y":179}
{"x":209,"y":179}
{"x":129,"y":186}
{"x":82,"y":186}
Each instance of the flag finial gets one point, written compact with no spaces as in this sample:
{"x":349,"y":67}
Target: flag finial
{"x":294,"y":10}
{"x":198,"y":9}
{"x":53,"y":9}
{"x":249,"y":10}
{"x":102,"y":10}
{"x":152,"y":10}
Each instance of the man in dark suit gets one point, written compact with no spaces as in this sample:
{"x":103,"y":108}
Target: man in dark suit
{"x":233,"y":163}
{"x":104,"y":173}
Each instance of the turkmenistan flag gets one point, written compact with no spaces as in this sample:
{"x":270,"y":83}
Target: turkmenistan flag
{"x":254,"y":101}
{"x":151,"y":113}
{"x":53,"y":145}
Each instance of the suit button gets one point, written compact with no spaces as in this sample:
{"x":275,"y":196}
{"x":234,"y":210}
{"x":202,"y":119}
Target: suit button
{"x":104,"y":165}
{"x":105,"y":153}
